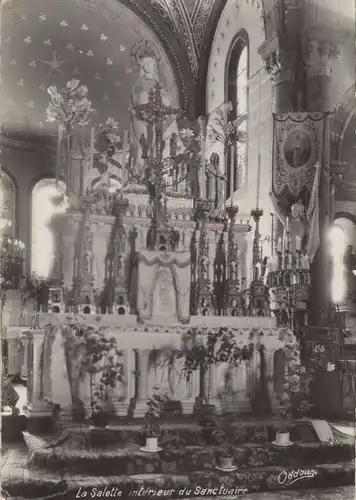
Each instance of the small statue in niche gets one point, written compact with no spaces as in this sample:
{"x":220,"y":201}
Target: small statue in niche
{"x":219,"y":270}
{"x":120,"y":266}
{"x":234,"y":309}
{"x":175,"y":238}
{"x":233,"y":270}
{"x":173,"y":143}
{"x":205,"y":307}
{"x":144,"y":146}
{"x":204,"y":270}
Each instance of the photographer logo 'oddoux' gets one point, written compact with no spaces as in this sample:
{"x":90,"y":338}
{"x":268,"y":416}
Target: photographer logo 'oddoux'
{"x":291,"y":477}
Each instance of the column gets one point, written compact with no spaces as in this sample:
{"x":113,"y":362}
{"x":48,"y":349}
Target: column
{"x":25,"y":351}
{"x":142,"y":374}
{"x":121,"y":402}
{"x":211,"y":384}
{"x":318,"y":58}
{"x":281,"y":65}
{"x":13,"y":350}
{"x":269,"y":358}
{"x":35,"y":407}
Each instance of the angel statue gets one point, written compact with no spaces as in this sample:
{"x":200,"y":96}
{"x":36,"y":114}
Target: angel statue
{"x":294,"y":222}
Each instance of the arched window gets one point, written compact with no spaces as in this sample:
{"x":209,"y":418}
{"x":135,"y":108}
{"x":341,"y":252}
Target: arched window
{"x":46,"y":201}
{"x":237,"y":94}
{"x":8,"y":196}
{"x":337,"y":245}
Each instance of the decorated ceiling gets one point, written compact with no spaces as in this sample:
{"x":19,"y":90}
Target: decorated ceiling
{"x":50,"y":42}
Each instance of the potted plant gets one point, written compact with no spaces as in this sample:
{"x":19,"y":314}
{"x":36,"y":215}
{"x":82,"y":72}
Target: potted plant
{"x":152,"y":423}
{"x":200,"y":356}
{"x":226,"y":457}
{"x":285,"y":413}
{"x":105,"y":369}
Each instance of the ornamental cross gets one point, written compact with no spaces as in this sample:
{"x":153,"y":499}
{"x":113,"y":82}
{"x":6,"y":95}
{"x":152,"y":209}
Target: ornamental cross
{"x":155,"y":113}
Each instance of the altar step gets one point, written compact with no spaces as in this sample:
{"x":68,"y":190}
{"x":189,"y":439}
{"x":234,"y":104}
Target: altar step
{"x":175,"y":458}
{"x":36,"y":483}
{"x":95,"y":458}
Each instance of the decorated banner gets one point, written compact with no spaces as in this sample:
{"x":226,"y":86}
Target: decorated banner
{"x":298,"y":147}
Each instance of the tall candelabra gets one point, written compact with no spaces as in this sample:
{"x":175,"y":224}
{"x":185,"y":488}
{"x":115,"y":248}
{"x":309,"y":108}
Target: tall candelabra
{"x":289,"y":281}
{"x":11,"y":257}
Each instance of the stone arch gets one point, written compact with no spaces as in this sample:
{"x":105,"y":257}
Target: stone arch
{"x":234,"y":18}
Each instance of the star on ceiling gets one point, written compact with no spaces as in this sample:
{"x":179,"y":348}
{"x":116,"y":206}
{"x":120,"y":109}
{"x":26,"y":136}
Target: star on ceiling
{"x":109,"y":61}
{"x":33,"y":64}
{"x":117,"y":83}
{"x":55,"y":64}
{"x":27,"y":40}
{"x":42,"y":17}
{"x":103,"y":37}
{"x":84,"y":27}
{"x":63,"y":24}
{"x":48,"y":42}
{"x":90,"y":53}
{"x":13,"y":62}
{"x":21,"y":82}
{"x":122,"y":48}
{"x":97,"y":76}
{"x":106,"y":97}
{"x":70,"y":46}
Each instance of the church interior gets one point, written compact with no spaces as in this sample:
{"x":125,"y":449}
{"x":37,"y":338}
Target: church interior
{"x":178,"y":249}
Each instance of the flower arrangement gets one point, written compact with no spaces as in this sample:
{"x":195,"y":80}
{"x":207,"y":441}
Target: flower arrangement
{"x":220,"y":347}
{"x":108,"y":141}
{"x":102,"y":360}
{"x":296,"y":382}
{"x":36,"y":288}
{"x":69,"y":106}
{"x":152,"y":416}
{"x":224,"y":131}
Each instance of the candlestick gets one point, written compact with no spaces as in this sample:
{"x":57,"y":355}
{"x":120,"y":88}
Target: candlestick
{"x":59,"y":149}
{"x":232,"y":170}
{"x":258,"y":181}
{"x":272,"y":234}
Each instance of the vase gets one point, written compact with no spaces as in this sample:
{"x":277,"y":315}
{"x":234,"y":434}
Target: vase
{"x":226,"y":462}
{"x":100,"y":420}
{"x":151,"y":443}
{"x":282,"y":438}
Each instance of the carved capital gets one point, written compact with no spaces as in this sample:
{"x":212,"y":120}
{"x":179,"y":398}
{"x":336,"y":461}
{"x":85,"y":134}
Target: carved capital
{"x":280,"y":63}
{"x":319,"y":56}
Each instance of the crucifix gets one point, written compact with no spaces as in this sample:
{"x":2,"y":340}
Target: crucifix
{"x":155,"y":112}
